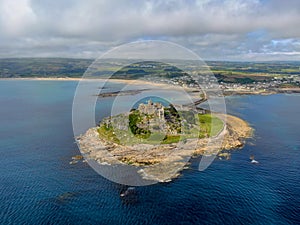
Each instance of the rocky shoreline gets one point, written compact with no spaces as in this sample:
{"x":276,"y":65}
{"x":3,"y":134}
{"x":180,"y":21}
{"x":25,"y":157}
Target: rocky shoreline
{"x":262,"y":92}
{"x":164,"y":162}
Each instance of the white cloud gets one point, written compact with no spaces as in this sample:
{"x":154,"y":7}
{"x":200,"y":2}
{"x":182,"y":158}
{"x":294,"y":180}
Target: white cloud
{"x":15,"y":17}
{"x":214,"y":28}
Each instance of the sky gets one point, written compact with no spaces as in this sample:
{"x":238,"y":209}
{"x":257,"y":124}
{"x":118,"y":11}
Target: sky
{"x":237,"y":30}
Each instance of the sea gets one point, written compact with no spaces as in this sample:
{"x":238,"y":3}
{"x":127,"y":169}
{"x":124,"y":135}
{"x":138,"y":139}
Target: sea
{"x":39,"y":186}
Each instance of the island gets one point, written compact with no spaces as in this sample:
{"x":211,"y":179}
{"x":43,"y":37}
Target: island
{"x":157,"y":138}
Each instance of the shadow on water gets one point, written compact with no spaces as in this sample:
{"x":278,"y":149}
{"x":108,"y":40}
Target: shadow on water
{"x":63,"y":198}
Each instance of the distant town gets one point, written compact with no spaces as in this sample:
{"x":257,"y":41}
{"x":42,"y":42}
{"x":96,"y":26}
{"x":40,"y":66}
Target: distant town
{"x":230,"y":77}
{"x":275,"y":84}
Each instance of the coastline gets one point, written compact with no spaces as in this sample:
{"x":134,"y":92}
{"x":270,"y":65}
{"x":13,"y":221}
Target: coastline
{"x":131,"y":82}
{"x":266,"y":92}
{"x":165,"y":161}
{"x":226,"y":92}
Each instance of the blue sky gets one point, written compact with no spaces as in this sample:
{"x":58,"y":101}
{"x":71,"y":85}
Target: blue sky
{"x":214,"y":29}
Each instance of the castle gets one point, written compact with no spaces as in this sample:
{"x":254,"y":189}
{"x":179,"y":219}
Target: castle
{"x":153,"y":118}
{"x":151,"y":108}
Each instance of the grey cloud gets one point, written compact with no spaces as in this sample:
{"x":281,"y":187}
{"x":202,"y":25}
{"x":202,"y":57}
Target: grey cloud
{"x":217,"y":29}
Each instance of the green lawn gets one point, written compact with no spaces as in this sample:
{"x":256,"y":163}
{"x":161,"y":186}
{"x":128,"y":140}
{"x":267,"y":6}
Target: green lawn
{"x":107,"y":133}
{"x":210,"y":125}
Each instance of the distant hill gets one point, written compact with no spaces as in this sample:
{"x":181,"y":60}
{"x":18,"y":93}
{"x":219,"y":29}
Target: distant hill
{"x":43,"y":67}
{"x":232,"y":72}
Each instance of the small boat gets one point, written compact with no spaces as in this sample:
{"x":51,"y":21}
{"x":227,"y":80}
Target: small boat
{"x":129,"y":190}
{"x":253,"y":161}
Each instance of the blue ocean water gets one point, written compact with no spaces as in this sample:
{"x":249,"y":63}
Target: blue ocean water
{"x":39,"y":186}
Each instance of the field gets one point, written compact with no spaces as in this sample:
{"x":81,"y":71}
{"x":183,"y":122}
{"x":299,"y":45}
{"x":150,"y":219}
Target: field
{"x":231,"y":72}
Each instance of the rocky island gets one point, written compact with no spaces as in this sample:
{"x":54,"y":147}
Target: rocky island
{"x":158,"y":139}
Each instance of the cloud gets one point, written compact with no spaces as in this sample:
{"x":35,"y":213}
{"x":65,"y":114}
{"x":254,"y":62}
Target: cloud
{"x":215,"y":29}
{"x":15,"y":17}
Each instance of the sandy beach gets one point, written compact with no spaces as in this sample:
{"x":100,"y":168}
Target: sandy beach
{"x":131,"y":82}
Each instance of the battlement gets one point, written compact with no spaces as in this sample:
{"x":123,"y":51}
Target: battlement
{"x":156,"y":109}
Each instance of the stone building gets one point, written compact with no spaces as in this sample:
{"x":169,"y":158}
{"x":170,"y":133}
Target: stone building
{"x":156,"y":109}
{"x":156,"y":122}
